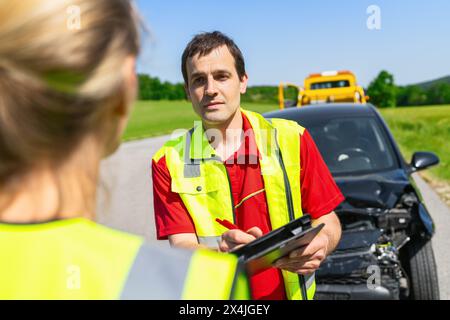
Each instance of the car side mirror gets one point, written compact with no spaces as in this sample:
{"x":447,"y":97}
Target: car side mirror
{"x":423,"y":160}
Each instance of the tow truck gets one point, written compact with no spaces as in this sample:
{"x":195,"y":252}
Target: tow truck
{"x":325,"y":87}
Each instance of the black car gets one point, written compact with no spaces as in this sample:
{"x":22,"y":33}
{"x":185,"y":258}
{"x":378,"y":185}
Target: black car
{"x":385,"y":251}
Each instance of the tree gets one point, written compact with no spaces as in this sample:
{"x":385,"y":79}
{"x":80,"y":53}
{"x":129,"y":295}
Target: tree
{"x":144,"y":87}
{"x":382,"y":90}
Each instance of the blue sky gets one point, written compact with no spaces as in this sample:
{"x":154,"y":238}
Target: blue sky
{"x":285,"y":40}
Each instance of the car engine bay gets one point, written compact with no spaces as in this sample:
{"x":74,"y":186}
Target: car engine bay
{"x":368,"y":262}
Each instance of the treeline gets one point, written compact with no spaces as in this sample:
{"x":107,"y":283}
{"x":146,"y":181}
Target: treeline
{"x":151,"y":88}
{"x":261,"y":94}
{"x":438,"y":93}
{"x":383,"y":92}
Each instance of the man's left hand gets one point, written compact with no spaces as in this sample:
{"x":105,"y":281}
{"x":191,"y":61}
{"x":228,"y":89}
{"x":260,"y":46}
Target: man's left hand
{"x":307,"y":259}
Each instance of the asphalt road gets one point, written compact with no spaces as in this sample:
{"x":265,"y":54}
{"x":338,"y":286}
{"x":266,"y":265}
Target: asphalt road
{"x":440,"y":213}
{"x":126,"y":201}
{"x":125,"y":190}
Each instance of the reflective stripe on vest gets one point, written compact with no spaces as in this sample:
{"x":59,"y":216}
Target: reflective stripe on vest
{"x":157,"y":273}
{"x":173,"y":274}
{"x":211,"y":242}
{"x":205,"y":190}
{"x":298,"y":286}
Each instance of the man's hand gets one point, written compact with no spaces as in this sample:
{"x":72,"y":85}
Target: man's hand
{"x":236,"y":238}
{"x":307,"y":259}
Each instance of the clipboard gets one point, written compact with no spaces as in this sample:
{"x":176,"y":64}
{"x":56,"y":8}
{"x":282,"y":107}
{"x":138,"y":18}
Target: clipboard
{"x":262,"y":252}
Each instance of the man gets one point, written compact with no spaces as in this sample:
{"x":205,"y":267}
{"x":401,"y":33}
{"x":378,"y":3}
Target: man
{"x":231,"y":167}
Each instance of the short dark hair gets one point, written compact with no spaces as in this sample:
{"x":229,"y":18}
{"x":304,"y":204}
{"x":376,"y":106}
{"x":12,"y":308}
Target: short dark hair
{"x":204,"y":43}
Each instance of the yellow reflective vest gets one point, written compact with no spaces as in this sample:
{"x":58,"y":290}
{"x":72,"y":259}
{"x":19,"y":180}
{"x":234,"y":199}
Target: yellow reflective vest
{"x":201,"y":180}
{"x":79,"y":259}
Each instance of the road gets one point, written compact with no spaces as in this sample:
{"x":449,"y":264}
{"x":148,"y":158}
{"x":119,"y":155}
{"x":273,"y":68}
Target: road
{"x":126,"y":201}
{"x":441,"y":240}
{"x":125,"y":189}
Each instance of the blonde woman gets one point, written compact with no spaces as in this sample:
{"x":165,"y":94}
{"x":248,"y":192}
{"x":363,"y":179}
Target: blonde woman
{"x":67,"y":84}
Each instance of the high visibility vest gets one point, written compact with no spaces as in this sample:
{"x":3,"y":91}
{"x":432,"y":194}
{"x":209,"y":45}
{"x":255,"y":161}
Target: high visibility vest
{"x":79,"y":259}
{"x":201,"y":180}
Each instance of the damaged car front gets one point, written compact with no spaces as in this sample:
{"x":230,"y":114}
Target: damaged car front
{"x":385,"y":250}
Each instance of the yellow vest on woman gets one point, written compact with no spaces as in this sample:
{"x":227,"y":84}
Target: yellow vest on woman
{"x":79,"y":259}
{"x":201,"y":180}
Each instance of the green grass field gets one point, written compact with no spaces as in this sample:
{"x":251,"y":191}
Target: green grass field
{"x":423,"y":129}
{"x":414,"y":128}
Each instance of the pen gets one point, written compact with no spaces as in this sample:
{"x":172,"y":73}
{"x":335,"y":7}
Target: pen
{"x":227,"y":224}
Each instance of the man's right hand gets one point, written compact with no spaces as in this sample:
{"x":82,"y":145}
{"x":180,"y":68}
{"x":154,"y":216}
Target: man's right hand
{"x":236,"y":238}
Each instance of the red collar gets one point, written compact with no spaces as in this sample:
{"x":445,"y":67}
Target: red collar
{"x":248,"y":151}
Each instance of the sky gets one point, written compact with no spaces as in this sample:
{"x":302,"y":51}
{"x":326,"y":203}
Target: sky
{"x":286,"y":40}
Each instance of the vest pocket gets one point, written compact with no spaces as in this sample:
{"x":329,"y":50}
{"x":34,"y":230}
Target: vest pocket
{"x":198,"y":185}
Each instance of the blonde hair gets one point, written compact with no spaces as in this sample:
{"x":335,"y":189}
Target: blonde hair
{"x":57,"y":80}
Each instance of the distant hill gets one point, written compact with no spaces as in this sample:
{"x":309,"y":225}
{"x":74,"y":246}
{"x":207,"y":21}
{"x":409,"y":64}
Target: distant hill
{"x":428,"y":84}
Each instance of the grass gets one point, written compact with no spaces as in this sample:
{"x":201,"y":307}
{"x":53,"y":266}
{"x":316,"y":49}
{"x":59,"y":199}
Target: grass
{"x":155,"y":118}
{"x":423,"y":129}
{"x":414,"y":128}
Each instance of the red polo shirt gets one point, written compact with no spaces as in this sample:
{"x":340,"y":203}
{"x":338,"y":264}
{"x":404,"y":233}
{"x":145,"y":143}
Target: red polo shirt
{"x":320,"y":195}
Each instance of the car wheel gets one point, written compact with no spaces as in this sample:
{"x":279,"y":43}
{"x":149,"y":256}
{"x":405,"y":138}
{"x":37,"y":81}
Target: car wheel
{"x":423,"y":272}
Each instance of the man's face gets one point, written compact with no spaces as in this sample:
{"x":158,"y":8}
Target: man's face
{"x":214,"y":87}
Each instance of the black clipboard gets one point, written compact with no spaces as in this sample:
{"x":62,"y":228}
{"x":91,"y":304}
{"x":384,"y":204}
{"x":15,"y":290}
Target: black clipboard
{"x":262,"y":252}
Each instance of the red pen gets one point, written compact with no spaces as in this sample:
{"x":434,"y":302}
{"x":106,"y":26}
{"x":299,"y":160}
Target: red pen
{"x":227,"y":224}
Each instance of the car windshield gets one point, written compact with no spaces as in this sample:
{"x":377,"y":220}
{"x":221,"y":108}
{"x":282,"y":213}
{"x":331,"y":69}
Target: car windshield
{"x":352,"y":145}
{"x":330,"y":84}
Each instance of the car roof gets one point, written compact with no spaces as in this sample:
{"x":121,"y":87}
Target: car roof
{"x":331,"y":110}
